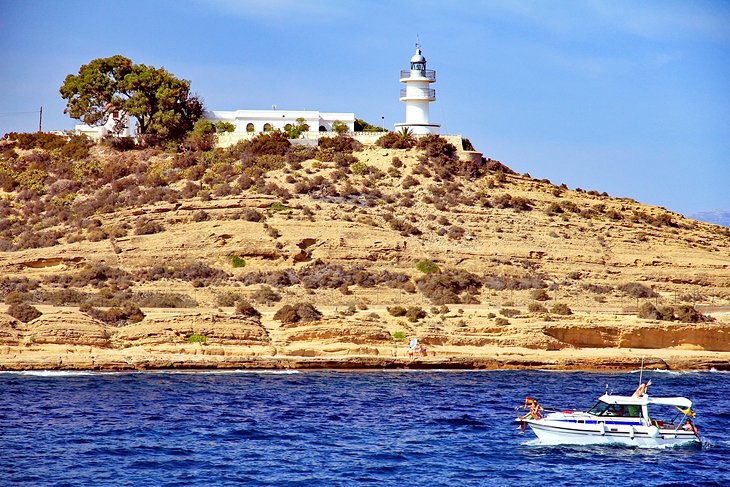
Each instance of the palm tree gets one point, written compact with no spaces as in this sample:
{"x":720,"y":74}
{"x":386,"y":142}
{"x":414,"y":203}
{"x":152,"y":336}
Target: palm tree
{"x":406,"y":138}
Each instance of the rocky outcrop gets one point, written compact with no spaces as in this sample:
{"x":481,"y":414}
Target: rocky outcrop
{"x":216,"y":328}
{"x":655,"y":335}
{"x":9,"y":333}
{"x":68,"y":327}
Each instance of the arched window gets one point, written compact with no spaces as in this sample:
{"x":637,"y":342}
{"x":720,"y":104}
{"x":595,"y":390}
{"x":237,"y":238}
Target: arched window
{"x":267,"y":127}
{"x":249,"y":127}
{"x":322,"y":128}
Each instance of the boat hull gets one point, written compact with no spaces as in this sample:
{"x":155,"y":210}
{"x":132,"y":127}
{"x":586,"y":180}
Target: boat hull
{"x":560,"y":433}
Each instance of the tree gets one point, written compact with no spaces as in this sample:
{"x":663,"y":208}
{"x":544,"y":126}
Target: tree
{"x":340,"y":127}
{"x":161,"y":103}
{"x":363,"y":126}
{"x":293,"y":132}
{"x":221,"y":127}
{"x":201,"y":138}
{"x":302,"y":125}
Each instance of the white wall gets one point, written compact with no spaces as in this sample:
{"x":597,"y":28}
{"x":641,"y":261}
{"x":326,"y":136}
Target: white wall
{"x":278,"y":119}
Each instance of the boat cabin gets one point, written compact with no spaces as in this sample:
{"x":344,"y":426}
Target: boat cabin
{"x":638,"y":407}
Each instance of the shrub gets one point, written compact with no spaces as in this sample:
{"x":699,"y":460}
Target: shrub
{"x":501,"y":321}
{"x":23,"y":312}
{"x":120,"y":144}
{"x":561,"y":309}
{"x":244,"y":308}
{"x":251,"y":215}
{"x":149,"y":299}
{"x":509,"y":312}
{"x":666,"y":313}
{"x":455,"y":232}
{"x":405,"y":228}
{"x":17,"y":297}
{"x":62,"y":297}
{"x":236,"y":261}
{"x":265,"y":295}
{"x":597,"y":288}
{"x":197,"y":338}
{"x":445,"y":287}
{"x":649,"y":312}
{"x":521,"y":204}
{"x":396,"y":140}
{"x":194,"y":271}
{"x":637,"y":290}
{"x":94,"y":274}
{"x":278,"y":206}
{"x":427,"y":266}
{"x":539,"y":295}
{"x":553,"y":208}
{"x":689,"y":314}
{"x":415,"y":313}
{"x":270,"y":143}
{"x":200,"y":216}
{"x":127,"y":312}
{"x":397,"y":311}
{"x":229,"y":298}
{"x":339,"y":144}
{"x":408,"y":182}
{"x":300,"y":312}
{"x":148,"y":227}
{"x":398,"y":336}
{"x":536,"y":308}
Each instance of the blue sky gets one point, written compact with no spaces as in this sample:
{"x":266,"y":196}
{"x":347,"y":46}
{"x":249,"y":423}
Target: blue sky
{"x":628,"y":97}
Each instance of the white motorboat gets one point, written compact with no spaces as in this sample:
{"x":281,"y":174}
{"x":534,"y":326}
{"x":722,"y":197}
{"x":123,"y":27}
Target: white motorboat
{"x":627,"y":420}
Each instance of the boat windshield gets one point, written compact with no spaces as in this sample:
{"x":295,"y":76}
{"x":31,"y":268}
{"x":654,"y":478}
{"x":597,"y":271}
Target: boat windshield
{"x":625,"y":410}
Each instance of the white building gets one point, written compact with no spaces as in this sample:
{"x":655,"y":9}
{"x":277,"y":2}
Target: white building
{"x":417,"y":95}
{"x":117,"y":125}
{"x":255,"y":121}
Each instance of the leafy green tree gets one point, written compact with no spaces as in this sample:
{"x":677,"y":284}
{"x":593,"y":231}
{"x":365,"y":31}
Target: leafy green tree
{"x":302,"y":125}
{"x":363,"y":126}
{"x":201,"y":138}
{"x":293,"y":132}
{"x":222,"y":127}
{"x":161,"y":103}
{"x":340,"y":127}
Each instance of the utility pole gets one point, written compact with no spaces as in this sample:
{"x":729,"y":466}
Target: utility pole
{"x":40,"y":120}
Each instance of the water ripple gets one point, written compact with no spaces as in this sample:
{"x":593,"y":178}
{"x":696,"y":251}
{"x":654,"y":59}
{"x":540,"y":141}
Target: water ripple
{"x":333,"y":428}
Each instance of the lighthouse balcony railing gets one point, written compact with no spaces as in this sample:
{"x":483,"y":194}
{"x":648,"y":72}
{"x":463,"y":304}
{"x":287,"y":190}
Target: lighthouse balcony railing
{"x":428,"y":74}
{"x":420,"y":94}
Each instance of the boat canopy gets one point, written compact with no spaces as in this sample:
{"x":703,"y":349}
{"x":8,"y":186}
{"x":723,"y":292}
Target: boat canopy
{"x":630,"y":400}
{"x":671,"y":401}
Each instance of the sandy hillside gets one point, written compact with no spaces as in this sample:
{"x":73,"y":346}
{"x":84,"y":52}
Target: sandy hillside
{"x":519,"y":272}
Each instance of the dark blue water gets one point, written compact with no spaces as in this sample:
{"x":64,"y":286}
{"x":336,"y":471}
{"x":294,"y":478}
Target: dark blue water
{"x":334,"y":428}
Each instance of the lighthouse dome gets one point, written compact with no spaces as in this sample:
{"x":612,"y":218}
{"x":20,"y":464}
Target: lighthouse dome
{"x":418,"y":57}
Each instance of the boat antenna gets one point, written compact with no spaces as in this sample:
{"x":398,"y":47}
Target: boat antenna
{"x":641,"y":371}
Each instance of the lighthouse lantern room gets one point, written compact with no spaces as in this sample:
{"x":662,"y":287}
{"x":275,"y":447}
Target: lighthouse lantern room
{"x":417,"y":95}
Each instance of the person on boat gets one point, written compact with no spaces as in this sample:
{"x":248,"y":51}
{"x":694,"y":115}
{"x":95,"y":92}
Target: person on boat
{"x":533,"y":407}
{"x":688,"y":426}
{"x":534,"y":412}
{"x":641,"y":390}
{"x":634,"y":411}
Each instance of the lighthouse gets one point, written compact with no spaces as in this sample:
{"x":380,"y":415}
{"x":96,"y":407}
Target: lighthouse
{"x":417,"y":95}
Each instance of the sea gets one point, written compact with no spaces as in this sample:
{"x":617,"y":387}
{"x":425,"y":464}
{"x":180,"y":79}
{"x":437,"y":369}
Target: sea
{"x":339,"y":428}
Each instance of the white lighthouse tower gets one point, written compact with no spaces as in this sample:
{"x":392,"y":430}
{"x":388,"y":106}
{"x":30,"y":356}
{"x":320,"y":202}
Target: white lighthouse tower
{"x":417,"y":95}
